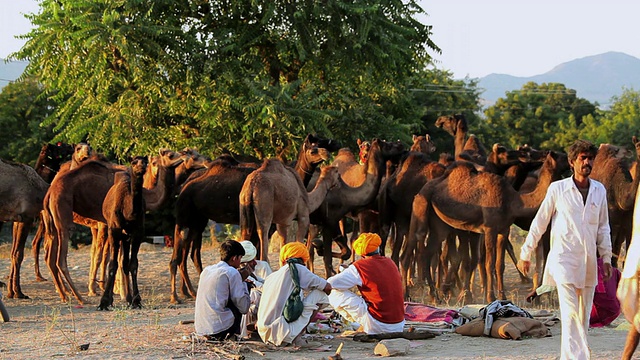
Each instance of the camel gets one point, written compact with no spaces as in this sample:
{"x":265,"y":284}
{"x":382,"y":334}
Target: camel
{"x":456,"y":125}
{"x":21,"y":193}
{"x":396,"y":194}
{"x":610,"y":169}
{"x":274,"y":193}
{"x":480,"y":202}
{"x":51,"y":157}
{"x":214,"y":195}
{"x":344,"y":199}
{"x":124,"y":209}
{"x":68,"y":201}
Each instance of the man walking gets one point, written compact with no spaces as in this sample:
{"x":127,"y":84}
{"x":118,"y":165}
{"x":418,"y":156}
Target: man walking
{"x":577,"y":210}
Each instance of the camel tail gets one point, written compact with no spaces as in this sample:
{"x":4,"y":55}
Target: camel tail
{"x":247,"y":214}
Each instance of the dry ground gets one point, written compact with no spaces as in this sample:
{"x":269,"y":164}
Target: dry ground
{"x":44,"y":327}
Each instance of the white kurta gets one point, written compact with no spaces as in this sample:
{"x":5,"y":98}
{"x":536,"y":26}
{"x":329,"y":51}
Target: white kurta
{"x":578,"y":228}
{"x":353,"y":307}
{"x":272,"y":326}
{"x":218,"y":284}
{"x":628,"y":291}
{"x":260,"y":272}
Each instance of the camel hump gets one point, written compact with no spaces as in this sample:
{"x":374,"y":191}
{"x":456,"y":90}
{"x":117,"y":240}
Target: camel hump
{"x":273,"y":165}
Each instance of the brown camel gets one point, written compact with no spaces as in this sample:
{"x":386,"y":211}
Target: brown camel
{"x":274,"y":193}
{"x":69,"y":200}
{"x":456,"y":125}
{"x":124,"y":209}
{"x":397,"y":192}
{"x":480,"y":202}
{"x":51,"y":157}
{"x":214,"y":195}
{"x":613,"y":172}
{"x":344,"y":199}
{"x":21,"y":193}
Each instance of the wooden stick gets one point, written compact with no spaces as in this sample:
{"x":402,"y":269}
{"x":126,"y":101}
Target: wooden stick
{"x":185,"y":322}
{"x":414,"y":335}
{"x":339,"y":348}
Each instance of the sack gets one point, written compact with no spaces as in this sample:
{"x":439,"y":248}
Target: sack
{"x":294,"y":306}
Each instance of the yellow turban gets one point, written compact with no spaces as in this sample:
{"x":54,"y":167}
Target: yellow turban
{"x":366,"y":243}
{"x":294,"y":250}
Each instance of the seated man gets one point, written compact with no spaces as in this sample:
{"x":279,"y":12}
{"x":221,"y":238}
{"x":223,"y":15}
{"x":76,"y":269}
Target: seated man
{"x":381,"y":307}
{"x":223,"y":296}
{"x":256,"y":280}
{"x":272,"y":325}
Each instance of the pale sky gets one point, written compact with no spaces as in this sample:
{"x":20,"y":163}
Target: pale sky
{"x":480,"y":37}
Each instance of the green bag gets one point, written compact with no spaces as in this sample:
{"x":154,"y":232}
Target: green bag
{"x":294,"y":306}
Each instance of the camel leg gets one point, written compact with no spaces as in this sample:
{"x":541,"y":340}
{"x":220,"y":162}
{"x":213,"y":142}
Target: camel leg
{"x":96,"y":250}
{"x":63,"y":268}
{"x":50,"y":256}
{"x":490,"y":236}
{"x":631,"y":344}
{"x":398,"y":238}
{"x":114,"y":239}
{"x":20,"y":232}
{"x":35,"y":250}
{"x":418,"y":229}
{"x":105,"y":256}
{"x":136,"y":301}
{"x":125,"y":269}
{"x":509,"y":247}
{"x":194,"y":238}
{"x":179,"y":240}
{"x":501,"y":244}
{"x":311,"y":235}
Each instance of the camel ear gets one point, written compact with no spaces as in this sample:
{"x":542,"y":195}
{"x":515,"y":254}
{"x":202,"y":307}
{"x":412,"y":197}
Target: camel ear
{"x":414,"y":137}
{"x":634,"y":139}
{"x":359,"y":142}
{"x":495,"y":147}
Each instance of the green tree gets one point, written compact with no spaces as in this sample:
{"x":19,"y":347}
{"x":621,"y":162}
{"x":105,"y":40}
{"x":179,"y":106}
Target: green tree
{"x":618,"y":124}
{"x":22,"y":110}
{"x":547,"y":116}
{"x":250,"y":76}
{"x":436,"y":93}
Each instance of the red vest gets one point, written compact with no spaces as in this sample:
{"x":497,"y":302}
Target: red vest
{"x":381,"y":288}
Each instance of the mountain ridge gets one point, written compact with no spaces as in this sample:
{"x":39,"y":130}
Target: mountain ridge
{"x":596,"y":78}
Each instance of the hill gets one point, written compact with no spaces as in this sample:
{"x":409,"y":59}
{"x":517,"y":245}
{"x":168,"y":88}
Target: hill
{"x":596,"y":78}
{"x":10,"y":71}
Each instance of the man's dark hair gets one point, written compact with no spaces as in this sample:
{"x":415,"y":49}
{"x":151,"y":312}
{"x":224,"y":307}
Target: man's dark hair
{"x":229,"y":249}
{"x":579,"y":147}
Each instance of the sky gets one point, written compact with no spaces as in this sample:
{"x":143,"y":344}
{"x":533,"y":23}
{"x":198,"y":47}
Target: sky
{"x":477,"y":38}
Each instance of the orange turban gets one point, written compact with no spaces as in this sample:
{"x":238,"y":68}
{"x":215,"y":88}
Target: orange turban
{"x":366,"y":243}
{"x":294,"y":250}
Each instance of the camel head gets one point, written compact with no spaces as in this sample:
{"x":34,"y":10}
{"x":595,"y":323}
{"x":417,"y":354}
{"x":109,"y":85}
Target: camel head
{"x":193,"y":160}
{"x":331,"y":175}
{"x":322,"y":143}
{"x":169,"y":158}
{"x":81,"y":152}
{"x":139,"y":165}
{"x":500,"y":155}
{"x":446,"y":159}
{"x":423,"y":144}
{"x":57,"y":152}
{"x":312,"y":153}
{"x":390,"y":150}
{"x":452,"y":123}
{"x":534,"y":154}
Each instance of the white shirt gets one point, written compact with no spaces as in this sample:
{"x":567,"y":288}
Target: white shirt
{"x":632,"y":260}
{"x":277,"y":288}
{"x":577,"y":230}
{"x":218,"y":284}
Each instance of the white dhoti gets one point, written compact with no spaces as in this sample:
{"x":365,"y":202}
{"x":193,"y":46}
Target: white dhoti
{"x":575,"y":310}
{"x":353,"y":308}
{"x":280,"y":331}
{"x":252,"y":315}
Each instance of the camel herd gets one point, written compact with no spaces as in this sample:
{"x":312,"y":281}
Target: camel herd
{"x":443,"y":219}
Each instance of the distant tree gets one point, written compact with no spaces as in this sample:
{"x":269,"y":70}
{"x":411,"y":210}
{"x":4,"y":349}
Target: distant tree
{"x":617,"y":124}
{"x":253,"y":77}
{"x":438,"y":93}
{"x":22,"y":110}
{"x":547,"y":116}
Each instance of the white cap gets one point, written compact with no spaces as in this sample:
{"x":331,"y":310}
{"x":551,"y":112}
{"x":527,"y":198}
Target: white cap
{"x":250,"y":251}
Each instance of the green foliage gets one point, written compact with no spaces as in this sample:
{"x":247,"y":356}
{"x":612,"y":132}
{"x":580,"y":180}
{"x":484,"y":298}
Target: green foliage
{"x":618,"y":124}
{"x":547,"y":116}
{"x":22,"y":109}
{"x":253,"y":77}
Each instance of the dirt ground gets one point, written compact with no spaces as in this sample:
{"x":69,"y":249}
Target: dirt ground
{"x":44,"y":327}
